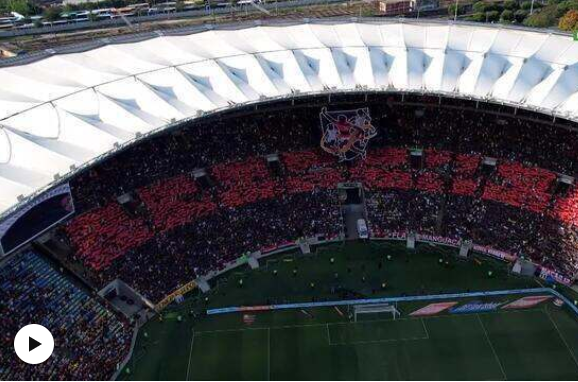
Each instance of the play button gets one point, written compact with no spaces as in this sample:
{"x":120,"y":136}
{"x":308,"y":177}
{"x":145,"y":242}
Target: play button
{"x":33,"y":344}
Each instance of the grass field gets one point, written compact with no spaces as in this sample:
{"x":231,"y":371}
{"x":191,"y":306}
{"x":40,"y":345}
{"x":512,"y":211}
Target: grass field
{"x":537,"y":343}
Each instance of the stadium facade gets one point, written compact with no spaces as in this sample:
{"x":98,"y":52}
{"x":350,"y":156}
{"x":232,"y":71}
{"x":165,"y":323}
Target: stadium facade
{"x":60,"y":114}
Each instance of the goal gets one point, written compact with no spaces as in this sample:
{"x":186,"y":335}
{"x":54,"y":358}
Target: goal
{"x":375,"y":310}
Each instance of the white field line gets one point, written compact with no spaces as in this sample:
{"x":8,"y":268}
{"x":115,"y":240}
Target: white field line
{"x":380,"y":341}
{"x":365,"y":322}
{"x":269,"y":354}
{"x":492,"y":347}
{"x":424,"y":328}
{"x":190,"y":355}
{"x":386,"y":340}
{"x":561,"y":336}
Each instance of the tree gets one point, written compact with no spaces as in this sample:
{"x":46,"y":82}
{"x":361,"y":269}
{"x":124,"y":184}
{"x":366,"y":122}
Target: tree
{"x":493,"y":7}
{"x":478,"y":17}
{"x":566,"y":6}
{"x":569,"y":22}
{"x":452,"y":10}
{"x":52,"y":13}
{"x":492,"y":16}
{"x":546,"y":17}
{"x":520,"y":15}
{"x":19,"y":6}
{"x":507,"y":16}
{"x":68,"y":8}
{"x":479,"y":7}
{"x":527,"y":5}
{"x":511,"y":5}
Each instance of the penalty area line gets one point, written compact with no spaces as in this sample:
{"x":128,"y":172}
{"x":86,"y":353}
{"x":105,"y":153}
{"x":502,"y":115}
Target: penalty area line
{"x":561,"y":336}
{"x":384,"y":341}
{"x":190,"y":355}
{"x":492,"y":347}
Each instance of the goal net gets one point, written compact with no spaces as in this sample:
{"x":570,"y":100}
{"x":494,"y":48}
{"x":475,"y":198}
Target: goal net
{"x":374,"y":311}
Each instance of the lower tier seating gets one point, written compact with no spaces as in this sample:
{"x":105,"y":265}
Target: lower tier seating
{"x":90,"y":341}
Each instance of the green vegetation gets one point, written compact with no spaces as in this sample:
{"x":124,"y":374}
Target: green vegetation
{"x":52,"y":13}
{"x":492,"y":16}
{"x":569,"y":22}
{"x":553,"y":13}
{"x":538,"y":343}
{"x":452,"y":10}
{"x":507,"y":16}
{"x":24,"y":7}
{"x":544,"y":18}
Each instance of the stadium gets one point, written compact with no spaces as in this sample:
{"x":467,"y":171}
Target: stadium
{"x":316,"y":199}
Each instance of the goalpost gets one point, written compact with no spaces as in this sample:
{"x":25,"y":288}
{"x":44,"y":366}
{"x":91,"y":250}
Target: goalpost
{"x":375,"y":309}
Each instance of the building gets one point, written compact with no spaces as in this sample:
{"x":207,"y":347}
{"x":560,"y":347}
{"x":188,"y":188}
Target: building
{"x":77,"y":2}
{"x":396,"y":7}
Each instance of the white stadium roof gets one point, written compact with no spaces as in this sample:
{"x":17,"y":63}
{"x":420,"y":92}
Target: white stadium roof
{"x":64,"y":111}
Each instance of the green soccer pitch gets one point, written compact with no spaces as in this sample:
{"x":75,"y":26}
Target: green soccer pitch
{"x":324,"y":343}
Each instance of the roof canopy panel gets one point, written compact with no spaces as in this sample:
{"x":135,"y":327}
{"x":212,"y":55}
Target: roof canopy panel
{"x":69,"y":109}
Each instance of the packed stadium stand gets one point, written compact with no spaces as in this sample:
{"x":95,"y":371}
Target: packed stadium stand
{"x":90,"y":339}
{"x":188,"y":230}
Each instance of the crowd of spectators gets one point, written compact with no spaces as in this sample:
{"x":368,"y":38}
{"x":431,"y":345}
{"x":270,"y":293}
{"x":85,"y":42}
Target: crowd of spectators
{"x":173,"y":202}
{"x":513,"y":207}
{"x":402,"y":211}
{"x":470,"y":131}
{"x":90,"y":341}
{"x":189,"y":229}
{"x":230,"y":138}
{"x":106,"y":233}
{"x":192,"y":230}
{"x":424,"y":173}
{"x":173,"y":258}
